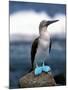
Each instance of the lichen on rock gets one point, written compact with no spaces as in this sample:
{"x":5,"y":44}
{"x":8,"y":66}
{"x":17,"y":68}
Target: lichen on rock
{"x":42,"y":80}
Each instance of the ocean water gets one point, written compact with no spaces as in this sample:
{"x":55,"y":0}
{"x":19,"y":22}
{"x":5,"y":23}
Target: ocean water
{"x":20,"y":61}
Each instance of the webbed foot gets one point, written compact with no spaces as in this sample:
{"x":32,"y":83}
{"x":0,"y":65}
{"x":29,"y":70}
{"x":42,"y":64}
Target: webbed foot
{"x":38,"y":70}
{"x":45,"y":68}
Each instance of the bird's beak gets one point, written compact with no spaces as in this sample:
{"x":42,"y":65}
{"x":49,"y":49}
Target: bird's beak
{"x":50,"y":22}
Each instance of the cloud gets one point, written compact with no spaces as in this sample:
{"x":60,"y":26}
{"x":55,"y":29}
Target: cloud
{"x":27,"y":22}
{"x":58,"y":28}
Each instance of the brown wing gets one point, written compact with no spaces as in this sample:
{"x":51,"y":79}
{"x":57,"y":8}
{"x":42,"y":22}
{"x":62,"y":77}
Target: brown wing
{"x":50,"y":45}
{"x":33,"y":50}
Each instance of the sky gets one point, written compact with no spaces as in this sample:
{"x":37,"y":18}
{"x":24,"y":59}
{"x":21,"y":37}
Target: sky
{"x":25,"y":17}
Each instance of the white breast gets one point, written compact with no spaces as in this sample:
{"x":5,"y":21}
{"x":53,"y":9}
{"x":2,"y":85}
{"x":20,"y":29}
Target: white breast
{"x":44,"y":40}
{"x":43,"y":48}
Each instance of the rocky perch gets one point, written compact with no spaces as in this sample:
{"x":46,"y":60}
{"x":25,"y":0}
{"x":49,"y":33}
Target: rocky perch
{"x":42,"y":80}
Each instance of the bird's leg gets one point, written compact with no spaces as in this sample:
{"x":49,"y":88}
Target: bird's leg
{"x":38,"y":70}
{"x":36,"y":65}
{"x":43,"y":64}
{"x":46,"y":68}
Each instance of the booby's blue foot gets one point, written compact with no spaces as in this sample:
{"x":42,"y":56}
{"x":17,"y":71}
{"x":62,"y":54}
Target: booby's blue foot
{"x":45,"y":68}
{"x":38,"y":70}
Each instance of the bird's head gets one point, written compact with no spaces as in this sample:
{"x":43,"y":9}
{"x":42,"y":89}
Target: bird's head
{"x":44,"y":24}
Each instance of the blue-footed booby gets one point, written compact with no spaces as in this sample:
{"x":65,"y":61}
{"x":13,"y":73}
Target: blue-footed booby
{"x":41,"y":46}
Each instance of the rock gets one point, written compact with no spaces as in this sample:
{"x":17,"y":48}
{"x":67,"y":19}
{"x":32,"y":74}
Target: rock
{"x":42,"y":80}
